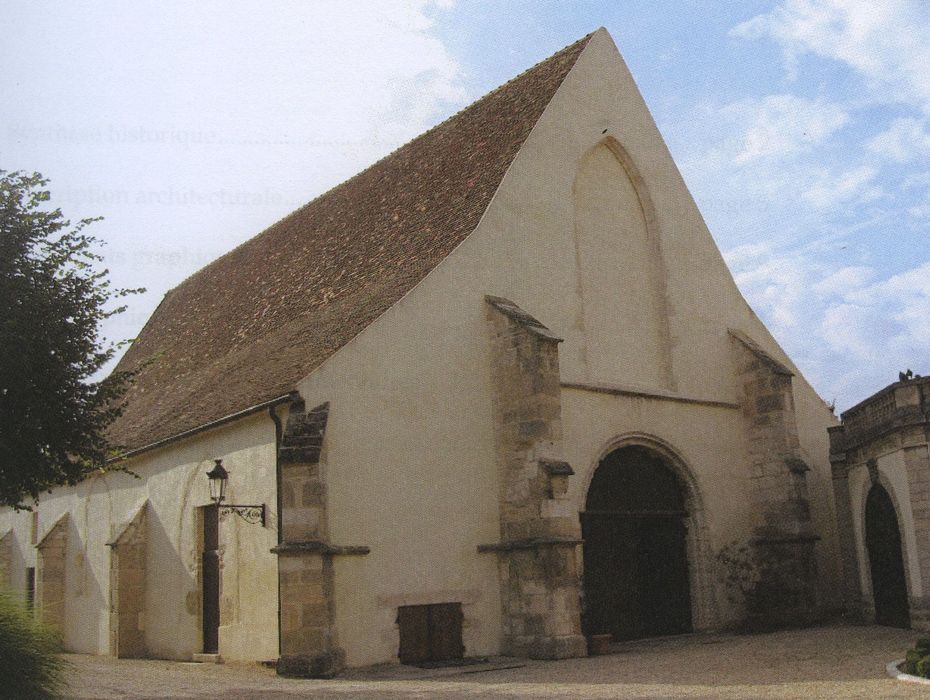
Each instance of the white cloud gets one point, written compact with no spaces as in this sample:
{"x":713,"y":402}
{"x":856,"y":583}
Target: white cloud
{"x":847,"y":328}
{"x":193,"y":126}
{"x":841,"y":282}
{"x":744,"y":254}
{"x":902,"y":141}
{"x":885,"y":41}
{"x":777,"y":287}
{"x":918,"y":179}
{"x":886,"y":323}
{"x":844,"y":331}
{"x":782,"y":125}
{"x":830,"y":190}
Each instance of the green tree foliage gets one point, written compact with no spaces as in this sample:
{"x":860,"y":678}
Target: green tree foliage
{"x":53,"y":298}
{"x":30,"y":666}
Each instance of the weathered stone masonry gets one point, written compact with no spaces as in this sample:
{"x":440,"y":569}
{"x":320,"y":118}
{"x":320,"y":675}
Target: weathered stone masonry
{"x":127,"y":589}
{"x":6,"y":560}
{"x":894,"y":419}
{"x":539,"y":528}
{"x":309,"y":645}
{"x":784,"y":535}
{"x":52,"y":552}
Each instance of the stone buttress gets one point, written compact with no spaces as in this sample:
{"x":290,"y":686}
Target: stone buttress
{"x":6,"y":560}
{"x":52,"y":551}
{"x":308,"y":641}
{"x":784,"y":535}
{"x":539,"y":528}
{"x":127,"y":589}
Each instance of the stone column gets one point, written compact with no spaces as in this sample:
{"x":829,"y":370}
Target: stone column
{"x":127,"y":589}
{"x":784,"y":536}
{"x":309,"y":645}
{"x":52,"y":553}
{"x":539,"y":527}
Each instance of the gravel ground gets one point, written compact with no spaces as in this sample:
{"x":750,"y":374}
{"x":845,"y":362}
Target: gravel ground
{"x":827,"y":662}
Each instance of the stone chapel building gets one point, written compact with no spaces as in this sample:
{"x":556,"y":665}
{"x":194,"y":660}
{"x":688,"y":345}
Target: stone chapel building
{"x":497,"y":392}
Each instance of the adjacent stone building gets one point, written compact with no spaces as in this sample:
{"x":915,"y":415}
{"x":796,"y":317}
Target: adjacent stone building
{"x":881,"y":479}
{"x":496,"y":393}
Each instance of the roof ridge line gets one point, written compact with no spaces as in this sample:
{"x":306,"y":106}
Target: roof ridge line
{"x":357,"y":175}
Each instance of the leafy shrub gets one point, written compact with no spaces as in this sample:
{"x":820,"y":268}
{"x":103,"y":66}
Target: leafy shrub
{"x":923,"y":667}
{"x":910,"y":661}
{"x":30,"y":666}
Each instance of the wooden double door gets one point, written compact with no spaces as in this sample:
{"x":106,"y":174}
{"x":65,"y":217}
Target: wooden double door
{"x":635,"y":549}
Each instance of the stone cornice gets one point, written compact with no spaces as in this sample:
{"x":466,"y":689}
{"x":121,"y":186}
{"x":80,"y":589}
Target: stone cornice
{"x":318,"y":547}
{"x":658,"y":395}
{"x":529,"y":543}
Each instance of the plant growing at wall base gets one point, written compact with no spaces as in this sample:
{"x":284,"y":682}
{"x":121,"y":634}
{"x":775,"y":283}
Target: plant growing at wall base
{"x":54,"y":298}
{"x":765,"y":581}
{"x":917,"y":661}
{"x":30,"y":666}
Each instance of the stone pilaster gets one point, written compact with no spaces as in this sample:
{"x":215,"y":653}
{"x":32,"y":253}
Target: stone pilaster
{"x":917,"y":464}
{"x":309,"y":645}
{"x":52,"y":551}
{"x":539,"y":528}
{"x":784,"y":535}
{"x":852,"y":593}
{"x":127,"y":589}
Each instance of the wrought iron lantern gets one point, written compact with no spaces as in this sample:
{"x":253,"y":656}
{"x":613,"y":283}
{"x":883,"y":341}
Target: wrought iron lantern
{"x":219,"y":477}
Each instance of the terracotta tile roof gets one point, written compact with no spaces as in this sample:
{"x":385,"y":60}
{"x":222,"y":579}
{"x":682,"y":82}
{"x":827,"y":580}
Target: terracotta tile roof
{"x":250,"y":325}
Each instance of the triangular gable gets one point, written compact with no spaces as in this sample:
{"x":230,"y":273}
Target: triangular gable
{"x":130,"y":530}
{"x":58,"y":528}
{"x":251,"y":324}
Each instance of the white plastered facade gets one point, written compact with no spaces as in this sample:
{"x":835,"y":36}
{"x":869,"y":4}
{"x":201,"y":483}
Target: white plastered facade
{"x":593,"y":232}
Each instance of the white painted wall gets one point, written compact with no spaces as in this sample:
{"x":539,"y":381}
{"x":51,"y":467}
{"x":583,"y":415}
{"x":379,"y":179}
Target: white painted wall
{"x":409,"y":456}
{"x":173,"y":482}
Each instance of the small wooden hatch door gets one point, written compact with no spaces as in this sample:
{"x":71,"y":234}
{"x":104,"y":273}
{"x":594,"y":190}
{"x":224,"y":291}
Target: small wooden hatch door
{"x":430,"y":633}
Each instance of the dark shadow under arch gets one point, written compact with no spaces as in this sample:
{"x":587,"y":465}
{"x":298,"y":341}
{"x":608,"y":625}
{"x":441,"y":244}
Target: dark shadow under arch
{"x":886,"y":562}
{"x":636,"y":580}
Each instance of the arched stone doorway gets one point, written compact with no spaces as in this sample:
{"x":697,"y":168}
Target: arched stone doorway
{"x":636,"y":574}
{"x":886,"y":563}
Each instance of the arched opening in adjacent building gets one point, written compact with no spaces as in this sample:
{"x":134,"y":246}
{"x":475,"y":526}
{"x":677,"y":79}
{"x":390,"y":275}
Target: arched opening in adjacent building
{"x":886,"y":562}
{"x":636,"y":581}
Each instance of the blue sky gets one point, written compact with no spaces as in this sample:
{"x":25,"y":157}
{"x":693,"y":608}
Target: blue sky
{"x":802,"y":129}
